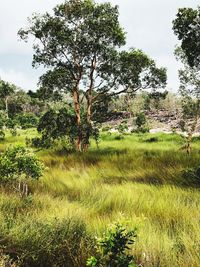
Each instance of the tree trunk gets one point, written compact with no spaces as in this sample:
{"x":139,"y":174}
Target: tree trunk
{"x":6,"y":103}
{"x":89,"y":92}
{"x":78,"y":118}
{"x":89,"y":103}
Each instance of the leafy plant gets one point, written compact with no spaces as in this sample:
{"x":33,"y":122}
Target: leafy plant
{"x":141,"y":123}
{"x":112,"y":248}
{"x":27,"y":120}
{"x":18,"y":164}
{"x":122,"y":127}
{"x":192,"y":176}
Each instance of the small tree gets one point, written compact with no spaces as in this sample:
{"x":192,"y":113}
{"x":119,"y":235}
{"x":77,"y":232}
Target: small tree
{"x":17,"y":166}
{"x":141,"y":122}
{"x":187,"y":28}
{"x":190,"y":92}
{"x":112,"y":248}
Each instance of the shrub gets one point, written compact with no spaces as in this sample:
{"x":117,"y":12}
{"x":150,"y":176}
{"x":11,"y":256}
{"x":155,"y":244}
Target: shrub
{"x":122,"y":127}
{"x":152,"y":139}
{"x":119,"y":137}
{"x":140,"y":119}
{"x":27,"y":120}
{"x":106,"y":129}
{"x":112,"y":248}
{"x":141,"y":123}
{"x":18,"y":164}
{"x":191,"y":176}
{"x":2,"y":135}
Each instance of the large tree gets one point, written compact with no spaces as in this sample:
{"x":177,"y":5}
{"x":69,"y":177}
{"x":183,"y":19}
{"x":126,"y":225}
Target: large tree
{"x":79,"y":45}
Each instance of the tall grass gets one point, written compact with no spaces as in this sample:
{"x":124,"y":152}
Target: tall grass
{"x":131,"y":179}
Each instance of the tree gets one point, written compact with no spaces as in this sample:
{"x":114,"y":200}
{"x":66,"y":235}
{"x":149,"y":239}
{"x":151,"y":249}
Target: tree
{"x":187,"y":28}
{"x":190,"y":92}
{"x":79,"y":45}
{"x":6,"y":90}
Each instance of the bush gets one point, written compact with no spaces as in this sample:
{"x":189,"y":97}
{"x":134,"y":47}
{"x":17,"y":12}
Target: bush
{"x":112,"y":248}
{"x":106,"y":129}
{"x":191,"y":176}
{"x":18,"y":164}
{"x":119,"y":137}
{"x":140,"y":119}
{"x":27,"y":120}
{"x":152,"y":139}
{"x":2,"y":135}
{"x":122,"y":127}
{"x":141,"y":123}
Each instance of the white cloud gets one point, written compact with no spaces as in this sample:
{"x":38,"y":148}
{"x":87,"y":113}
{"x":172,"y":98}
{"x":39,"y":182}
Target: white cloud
{"x":20,"y":79}
{"x":148,"y":24}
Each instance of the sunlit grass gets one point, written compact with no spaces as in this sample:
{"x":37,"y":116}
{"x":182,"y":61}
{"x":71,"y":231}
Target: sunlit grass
{"x":131,"y":180}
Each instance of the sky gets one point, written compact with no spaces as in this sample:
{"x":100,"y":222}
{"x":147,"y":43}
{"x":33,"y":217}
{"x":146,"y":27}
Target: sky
{"x":148,"y":24}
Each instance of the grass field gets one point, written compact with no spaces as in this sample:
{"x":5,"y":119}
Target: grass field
{"x":132,"y":180}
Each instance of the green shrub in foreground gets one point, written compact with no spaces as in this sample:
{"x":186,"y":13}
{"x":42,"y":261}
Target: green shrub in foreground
{"x":18,"y":164}
{"x":112,"y":248}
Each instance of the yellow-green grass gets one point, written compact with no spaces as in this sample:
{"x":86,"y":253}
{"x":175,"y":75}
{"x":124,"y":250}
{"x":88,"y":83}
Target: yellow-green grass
{"x":130,"y":180}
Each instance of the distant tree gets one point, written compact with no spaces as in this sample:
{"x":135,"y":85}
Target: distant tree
{"x":6,"y":90}
{"x":156,"y":97}
{"x":79,"y":45}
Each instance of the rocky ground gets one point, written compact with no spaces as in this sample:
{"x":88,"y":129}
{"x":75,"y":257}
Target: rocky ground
{"x":158,"y":121}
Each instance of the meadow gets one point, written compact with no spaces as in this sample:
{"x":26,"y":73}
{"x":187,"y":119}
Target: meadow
{"x":137,"y":180}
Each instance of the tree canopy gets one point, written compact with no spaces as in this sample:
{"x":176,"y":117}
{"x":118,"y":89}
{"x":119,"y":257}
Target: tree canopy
{"x":187,"y":27}
{"x":80,"y":44}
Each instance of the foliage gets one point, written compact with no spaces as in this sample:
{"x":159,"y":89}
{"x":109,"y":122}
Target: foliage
{"x":190,"y":92}
{"x":57,"y":125}
{"x":141,"y":123}
{"x":140,"y":120}
{"x":18,"y":164}
{"x":152,"y":139}
{"x":122,"y":127}
{"x":112,"y":248}
{"x":191,"y":176}
{"x":27,"y":120}
{"x":2,"y":135}
{"x":79,"y":44}
{"x":2,"y":124}
{"x":157,"y":97}
{"x":187,"y":28}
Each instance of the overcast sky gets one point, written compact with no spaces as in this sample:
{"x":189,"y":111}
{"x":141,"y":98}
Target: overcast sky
{"x":148,"y":24}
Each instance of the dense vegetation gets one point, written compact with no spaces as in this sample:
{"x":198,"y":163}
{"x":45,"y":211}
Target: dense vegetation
{"x":77,"y":159}
{"x":131,"y":180}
